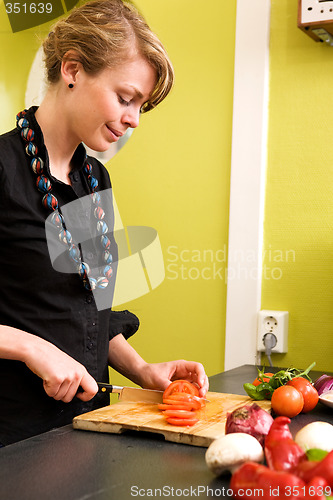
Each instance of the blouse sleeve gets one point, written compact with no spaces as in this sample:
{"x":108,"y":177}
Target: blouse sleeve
{"x":123,"y":322}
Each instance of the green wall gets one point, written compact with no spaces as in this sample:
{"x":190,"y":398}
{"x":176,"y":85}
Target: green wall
{"x":298,"y":236}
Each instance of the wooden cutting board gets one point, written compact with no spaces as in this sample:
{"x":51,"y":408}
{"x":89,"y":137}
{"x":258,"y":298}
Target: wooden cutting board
{"x":126,"y":415}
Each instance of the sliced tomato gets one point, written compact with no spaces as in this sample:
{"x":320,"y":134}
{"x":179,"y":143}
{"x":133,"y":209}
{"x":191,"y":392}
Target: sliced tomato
{"x":182,"y":396}
{"x":179,"y":414}
{"x":179,"y":406}
{"x":181,"y":386}
{"x":182,"y":421}
{"x":190,"y":405}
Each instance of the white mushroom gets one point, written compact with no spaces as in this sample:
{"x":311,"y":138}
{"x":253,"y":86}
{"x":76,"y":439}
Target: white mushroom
{"x":315,"y":435}
{"x":229,"y":452}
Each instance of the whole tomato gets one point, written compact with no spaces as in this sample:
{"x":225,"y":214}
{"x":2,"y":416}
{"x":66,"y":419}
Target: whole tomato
{"x":266,"y":378}
{"x":309,"y":393}
{"x":287,"y":401}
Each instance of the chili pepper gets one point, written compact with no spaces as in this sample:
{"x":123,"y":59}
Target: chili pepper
{"x":309,"y":469}
{"x":281,"y":451}
{"x":253,"y":480}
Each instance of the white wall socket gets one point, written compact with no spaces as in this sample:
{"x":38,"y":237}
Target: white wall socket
{"x":275,"y":322}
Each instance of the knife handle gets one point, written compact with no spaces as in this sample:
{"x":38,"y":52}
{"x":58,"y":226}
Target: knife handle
{"x":108,"y":388}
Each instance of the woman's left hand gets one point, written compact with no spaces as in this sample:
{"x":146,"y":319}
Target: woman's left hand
{"x":160,"y":375}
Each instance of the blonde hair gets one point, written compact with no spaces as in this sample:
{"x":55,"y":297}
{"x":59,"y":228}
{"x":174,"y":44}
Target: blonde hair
{"x":103,"y":34}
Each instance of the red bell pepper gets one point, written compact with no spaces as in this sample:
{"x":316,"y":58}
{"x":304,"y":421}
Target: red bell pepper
{"x":281,"y":451}
{"x":309,"y":469}
{"x":252,"y":481}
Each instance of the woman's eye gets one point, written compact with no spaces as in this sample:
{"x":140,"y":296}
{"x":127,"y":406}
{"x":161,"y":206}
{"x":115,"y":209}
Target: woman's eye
{"x":123,"y":101}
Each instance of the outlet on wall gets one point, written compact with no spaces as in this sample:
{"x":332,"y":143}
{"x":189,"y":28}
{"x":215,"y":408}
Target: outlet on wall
{"x":275,"y":322}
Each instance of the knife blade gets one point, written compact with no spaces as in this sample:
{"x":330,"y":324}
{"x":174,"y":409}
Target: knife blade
{"x":132,"y":393}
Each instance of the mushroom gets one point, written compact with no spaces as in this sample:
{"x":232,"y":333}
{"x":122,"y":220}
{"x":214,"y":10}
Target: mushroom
{"x":315,"y":435}
{"x":230,"y":451}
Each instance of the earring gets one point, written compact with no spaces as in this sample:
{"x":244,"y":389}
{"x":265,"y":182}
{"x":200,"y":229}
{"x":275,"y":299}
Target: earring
{"x":70,"y":85}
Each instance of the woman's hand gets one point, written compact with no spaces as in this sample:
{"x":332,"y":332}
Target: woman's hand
{"x":62,"y":376}
{"x":125,"y":359}
{"x":160,"y":375}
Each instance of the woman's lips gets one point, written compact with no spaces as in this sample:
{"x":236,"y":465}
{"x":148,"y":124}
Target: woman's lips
{"x":114,"y":133}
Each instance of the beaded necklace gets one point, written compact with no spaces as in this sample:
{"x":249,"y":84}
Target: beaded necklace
{"x":49,"y":201}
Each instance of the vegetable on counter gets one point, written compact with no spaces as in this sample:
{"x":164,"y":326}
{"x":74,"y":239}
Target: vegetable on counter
{"x":264,"y":482}
{"x":180,"y":402}
{"x":258,"y":481}
{"x":324,"y":383}
{"x":268,"y":383}
{"x":316,"y":435}
{"x":249,"y":419}
{"x":230,"y":451}
{"x":183,"y":386}
{"x":289,"y":474}
{"x":281,"y":451}
{"x":308,"y":470}
{"x":287,"y":401}
{"x":308,"y":391}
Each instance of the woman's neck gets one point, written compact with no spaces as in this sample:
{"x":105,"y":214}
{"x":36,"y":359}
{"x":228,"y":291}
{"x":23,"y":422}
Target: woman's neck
{"x":59,"y":141}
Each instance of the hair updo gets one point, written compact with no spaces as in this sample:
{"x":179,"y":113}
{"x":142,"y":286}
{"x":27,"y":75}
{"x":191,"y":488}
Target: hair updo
{"x":103,"y":33}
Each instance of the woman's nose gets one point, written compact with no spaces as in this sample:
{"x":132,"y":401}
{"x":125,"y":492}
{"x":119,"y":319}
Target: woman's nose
{"x":132,"y":117}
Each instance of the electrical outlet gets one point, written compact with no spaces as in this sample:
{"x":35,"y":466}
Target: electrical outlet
{"x":275,"y":322}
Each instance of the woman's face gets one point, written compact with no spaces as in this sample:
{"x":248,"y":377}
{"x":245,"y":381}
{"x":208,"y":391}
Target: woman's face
{"x":104,"y":106}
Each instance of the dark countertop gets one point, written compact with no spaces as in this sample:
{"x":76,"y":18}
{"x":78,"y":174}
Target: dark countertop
{"x":67,"y":464}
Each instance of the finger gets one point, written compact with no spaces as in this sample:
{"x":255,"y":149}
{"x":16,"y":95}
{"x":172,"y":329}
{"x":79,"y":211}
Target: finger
{"x":204,"y":389}
{"x":196,"y":372}
{"x":55,"y":388}
{"x":89,"y":388}
{"x":64,"y":391}
{"x":72,"y":391}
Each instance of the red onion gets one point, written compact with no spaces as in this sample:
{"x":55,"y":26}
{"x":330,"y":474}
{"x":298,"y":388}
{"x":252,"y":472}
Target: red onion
{"x":250,"y":419}
{"x":323,"y":383}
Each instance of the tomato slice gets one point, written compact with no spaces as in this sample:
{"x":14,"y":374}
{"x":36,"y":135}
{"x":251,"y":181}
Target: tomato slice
{"x":182,"y":396}
{"x":195,"y":405}
{"x":181,"y":386}
{"x":187,"y":398}
{"x":182,"y":421}
{"x":179,"y":406}
{"x":179,"y":414}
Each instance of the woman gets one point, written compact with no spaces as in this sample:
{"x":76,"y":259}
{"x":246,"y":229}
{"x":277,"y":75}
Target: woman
{"x":104,"y":67}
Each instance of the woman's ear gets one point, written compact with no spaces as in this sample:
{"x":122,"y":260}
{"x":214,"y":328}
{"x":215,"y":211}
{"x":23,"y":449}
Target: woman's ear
{"x":70,"y":66}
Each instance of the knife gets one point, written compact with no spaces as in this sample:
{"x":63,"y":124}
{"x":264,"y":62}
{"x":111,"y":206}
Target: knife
{"x":132,"y":393}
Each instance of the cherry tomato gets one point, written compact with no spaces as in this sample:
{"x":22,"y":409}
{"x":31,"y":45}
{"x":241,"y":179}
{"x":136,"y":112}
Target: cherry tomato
{"x":182,"y":421}
{"x":179,"y":414}
{"x":287,"y":401}
{"x":266,"y":378}
{"x":181,"y":386}
{"x":309,"y":393}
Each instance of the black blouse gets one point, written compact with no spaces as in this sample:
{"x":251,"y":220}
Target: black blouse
{"x":38,"y":299}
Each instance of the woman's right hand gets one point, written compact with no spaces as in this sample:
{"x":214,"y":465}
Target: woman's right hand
{"x":62,"y":375}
